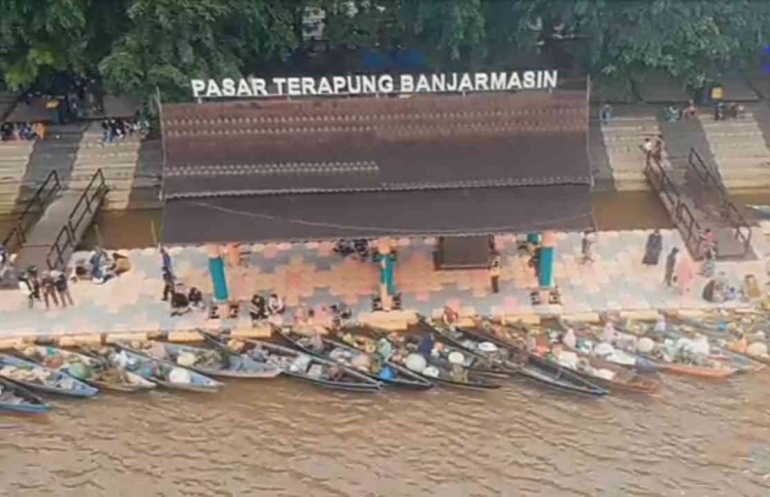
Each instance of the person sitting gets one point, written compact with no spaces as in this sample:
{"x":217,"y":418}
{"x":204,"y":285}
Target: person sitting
{"x":102,"y":267}
{"x":690,"y":111}
{"x":232,"y":310}
{"x":316,"y":343}
{"x":195,"y":297}
{"x":670,"y":114}
{"x":275,"y":305}
{"x":425,"y":346}
{"x":179,"y":304}
{"x":257,"y":309}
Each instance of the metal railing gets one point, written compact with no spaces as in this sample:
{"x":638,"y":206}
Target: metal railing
{"x":728,"y":210}
{"x":88,"y":203}
{"x":682,"y":215}
{"x":48,"y":189}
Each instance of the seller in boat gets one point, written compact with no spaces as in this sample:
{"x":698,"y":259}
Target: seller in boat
{"x":257,"y":308}
{"x":426,"y":344}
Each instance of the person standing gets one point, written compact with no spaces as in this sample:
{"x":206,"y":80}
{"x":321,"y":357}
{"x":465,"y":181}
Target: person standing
{"x":62,"y":288}
{"x":709,"y":265}
{"x":168,"y":284}
{"x":668,"y":277}
{"x":166,"y":261}
{"x":587,"y":246}
{"x":49,"y":290}
{"x":685,"y":274}
{"x":494,"y":272}
{"x":652,"y":249}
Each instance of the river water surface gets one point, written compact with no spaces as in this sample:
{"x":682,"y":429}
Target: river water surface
{"x":283,"y":438}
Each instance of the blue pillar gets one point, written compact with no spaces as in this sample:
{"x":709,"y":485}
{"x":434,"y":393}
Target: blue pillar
{"x":546,"y":267}
{"x":548,"y":241}
{"x":217,"y":271}
{"x":386,"y":272}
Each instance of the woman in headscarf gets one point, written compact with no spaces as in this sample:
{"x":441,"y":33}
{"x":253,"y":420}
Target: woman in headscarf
{"x":685,"y":274}
{"x":653,"y":249}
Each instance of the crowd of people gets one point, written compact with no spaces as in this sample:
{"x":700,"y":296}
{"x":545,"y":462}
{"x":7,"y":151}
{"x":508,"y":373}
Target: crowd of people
{"x":22,"y":131}
{"x":116,"y":129}
{"x":50,"y":287}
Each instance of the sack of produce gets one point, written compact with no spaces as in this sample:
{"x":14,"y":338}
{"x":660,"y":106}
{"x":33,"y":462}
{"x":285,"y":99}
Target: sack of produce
{"x":569,"y":340}
{"x":79,"y":371}
{"x":604,"y":349}
{"x":456,"y":358}
{"x":300,"y":364}
{"x":387,"y":374}
{"x":568,"y":359}
{"x":157,"y":350}
{"x":605,"y":374}
{"x":186,"y":359}
{"x":488,"y":347}
{"x":700,"y":346}
{"x":645,"y":345}
{"x":361,"y":362}
{"x":758,"y":349}
{"x":180,"y":376}
{"x":431,"y":371}
{"x":416,"y":363}
{"x":235,"y":345}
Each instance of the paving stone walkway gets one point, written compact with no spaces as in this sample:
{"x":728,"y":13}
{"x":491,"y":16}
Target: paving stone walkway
{"x":313,"y":275}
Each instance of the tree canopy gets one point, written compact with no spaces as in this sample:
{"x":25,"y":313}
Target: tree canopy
{"x":135,"y":46}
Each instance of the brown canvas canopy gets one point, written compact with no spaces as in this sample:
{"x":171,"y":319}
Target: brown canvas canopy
{"x":334,"y":168}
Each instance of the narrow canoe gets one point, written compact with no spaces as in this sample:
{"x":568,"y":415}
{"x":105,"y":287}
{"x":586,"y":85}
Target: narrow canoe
{"x":38,"y":378}
{"x":532,"y":367}
{"x":17,"y":399}
{"x":311,"y":369}
{"x":402,"y":377}
{"x":161,"y":372}
{"x":217,"y":363}
{"x":102,"y":374}
{"x":444,"y":376}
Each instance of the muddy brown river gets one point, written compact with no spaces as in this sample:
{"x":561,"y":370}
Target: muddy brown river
{"x":283,"y":438}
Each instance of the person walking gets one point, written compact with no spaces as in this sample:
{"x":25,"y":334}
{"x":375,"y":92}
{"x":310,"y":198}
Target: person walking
{"x":62,"y":288}
{"x":668,"y":277}
{"x":495,"y":268}
{"x":652,"y":249}
{"x":25,"y":286}
{"x":49,"y":290}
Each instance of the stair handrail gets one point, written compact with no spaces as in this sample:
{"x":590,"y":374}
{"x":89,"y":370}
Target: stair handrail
{"x":708,"y":176}
{"x":92,"y":198}
{"x":683,"y":215}
{"x":40,"y":198}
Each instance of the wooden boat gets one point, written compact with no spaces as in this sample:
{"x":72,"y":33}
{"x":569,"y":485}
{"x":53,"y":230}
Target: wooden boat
{"x":439,"y":371}
{"x":165,"y":374}
{"x":619,"y":357}
{"x":217,"y":363}
{"x":17,"y":399}
{"x":731,"y":349}
{"x":716,"y":369}
{"x":347,"y":355}
{"x":97,"y":372}
{"x":529,"y":366}
{"x":312,"y":369}
{"x":36,"y":377}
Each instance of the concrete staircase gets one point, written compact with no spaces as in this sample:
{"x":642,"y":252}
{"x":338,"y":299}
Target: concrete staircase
{"x":622,"y":138}
{"x":739,"y":149}
{"x":14,"y":159}
{"x":56,"y":152}
{"x":118,"y":162}
{"x":145,"y":191}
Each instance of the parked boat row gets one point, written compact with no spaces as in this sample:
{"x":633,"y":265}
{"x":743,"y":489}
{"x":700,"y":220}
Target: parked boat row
{"x":584,"y":360}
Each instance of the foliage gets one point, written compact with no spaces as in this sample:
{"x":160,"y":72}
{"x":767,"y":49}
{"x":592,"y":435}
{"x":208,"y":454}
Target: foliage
{"x":138,"y":45}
